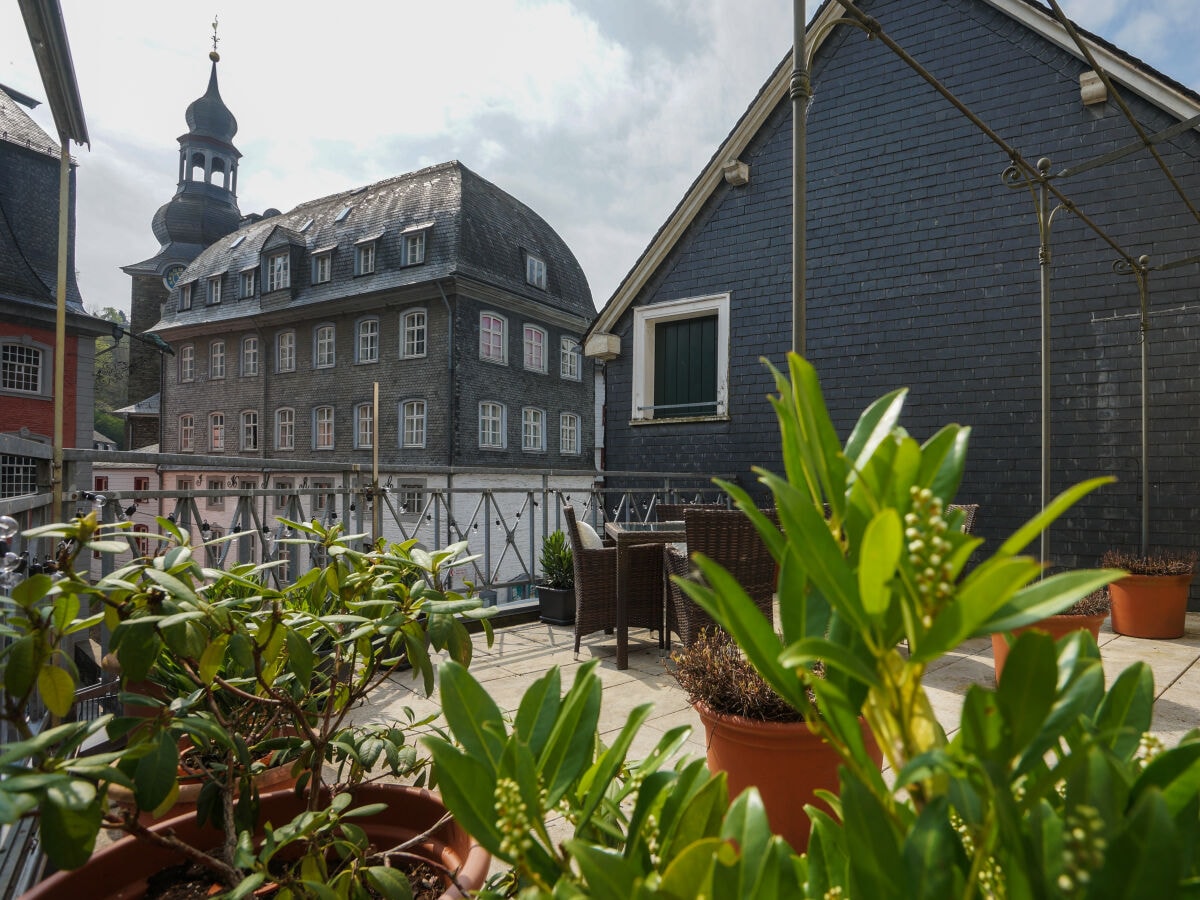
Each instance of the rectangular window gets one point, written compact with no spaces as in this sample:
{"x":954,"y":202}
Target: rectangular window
{"x":681,"y":359}
{"x":414,"y":249}
{"x":187,"y":433}
{"x":491,"y":338}
{"x":414,"y":334}
{"x":21,"y":369}
{"x":568,"y":360}
{"x":413,"y":416}
{"x":214,"y":290}
{"x":285,"y":351}
{"x":249,"y":430}
{"x":279,"y":272}
{"x":368,"y":341}
{"x":568,"y":433}
{"x":535,"y":271}
{"x":281,"y":499}
{"x":187,"y":363}
{"x":246,"y":283}
{"x":141,"y":483}
{"x":364,"y":258}
{"x":250,"y":355}
{"x":285,"y":429}
{"x":411,"y":496}
{"x":322,"y":266}
{"x":216,"y":359}
{"x":535,"y":349}
{"x":533,"y":432}
{"x":364,"y":426}
{"x":322,"y":499}
{"x":324,"y":353}
{"x":100,"y":483}
{"x":323,"y":427}
{"x":216,"y":432}
{"x":215,"y":484}
{"x":185,"y":296}
{"x":491,"y":425}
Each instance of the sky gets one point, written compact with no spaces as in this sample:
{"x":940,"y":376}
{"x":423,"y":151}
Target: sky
{"x":597,"y":114}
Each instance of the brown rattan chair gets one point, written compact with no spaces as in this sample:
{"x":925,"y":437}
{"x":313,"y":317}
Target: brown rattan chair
{"x":970,"y":509}
{"x":596,"y":586}
{"x":673,"y":512}
{"x":729,"y":538}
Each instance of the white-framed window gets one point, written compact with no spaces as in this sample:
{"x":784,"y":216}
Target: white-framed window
{"x":322,"y":267}
{"x":367,"y":346}
{"x":187,"y":433}
{"x":534,"y":341}
{"x":323,"y":496}
{"x":493,"y":345}
{"x":285,"y":351}
{"x":246,"y":283}
{"x":214,"y":290}
{"x":364,"y":258}
{"x":412,"y":427}
{"x":214,"y":484}
{"x":216,"y":432}
{"x":535,"y":271}
{"x":491,"y":425}
{"x":216,"y":359}
{"x":250,"y":430}
{"x":681,"y":359}
{"x":185,"y":296}
{"x":364,"y":426}
{"x":285,"y":428}
{"x":22,"y":368}
{"x":414,"y":248}
{"x":568,"y":434}
{"x":285,"y":486}
{"x":413,"y":334}
{"x":324,"y":349}
{"x":187,"y":363}
{"x":250,"y":355}
{"x":279,"y":271}
{"x":533,"y":429}
{"x":569,"y":359}
{"x":323,"y":428}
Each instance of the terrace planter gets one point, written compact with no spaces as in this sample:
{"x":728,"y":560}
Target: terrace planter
{"x":557,"y":605}
{"x":1055,"y":626}
{"x":1150,"y":606}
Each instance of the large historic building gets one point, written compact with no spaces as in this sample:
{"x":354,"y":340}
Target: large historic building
{"x":29,"y":179}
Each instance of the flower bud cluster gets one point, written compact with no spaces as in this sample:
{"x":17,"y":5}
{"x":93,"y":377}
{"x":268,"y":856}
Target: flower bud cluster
{"x":512,"y":818}
{"x":1083,"y":850}
{"x":1149,"y":746}
{"x":928,"y":551}
{"x":991,"y":883}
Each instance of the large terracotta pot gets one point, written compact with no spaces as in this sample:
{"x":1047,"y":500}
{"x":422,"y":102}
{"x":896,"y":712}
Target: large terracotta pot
{"x":784,"y":760}
{"x":1055,"y":626}
{"x":1150,"y":606}
{"x":119,"y":871}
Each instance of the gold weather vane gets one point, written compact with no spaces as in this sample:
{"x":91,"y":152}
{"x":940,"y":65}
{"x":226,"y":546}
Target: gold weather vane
{"x":214,"y":55}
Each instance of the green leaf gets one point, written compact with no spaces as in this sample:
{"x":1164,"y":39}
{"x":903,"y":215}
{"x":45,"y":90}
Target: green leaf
{"x":610,"y":763}
{"x":608,"y":875}
{"x":984,"y":591}
{"x":933,"y":855}
{"x":70,"y":820}
{"x":20,"y":668}
{"x":57,"y":688}
{"x":1047,"y":597}
{"x":471,"y":713}
{"x":156,"y":773}
{"x":468,"y":788}
{"x":212,"y":658}
{"x":874,"y":852}
{"x":1026,"y":692}
{"x":746,"y":825}
{"x":172,"y":585}
{"x":300,"y":657}
{"x":1127,"y":710}
{"x":878,"y":559}
{"x":389,"y":882}
{"x":689,"y":871}
{"x":570,"y":747}
{"x":1176,"y":773}
{"x":538,"y":710}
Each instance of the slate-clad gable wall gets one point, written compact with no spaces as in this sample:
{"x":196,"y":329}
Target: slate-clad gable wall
{"x":923,"y":271}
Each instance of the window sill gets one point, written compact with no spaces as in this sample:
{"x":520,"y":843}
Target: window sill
{"x":677,"y":420}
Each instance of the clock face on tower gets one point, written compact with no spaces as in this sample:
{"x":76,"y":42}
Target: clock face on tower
{"x":171,"y":277}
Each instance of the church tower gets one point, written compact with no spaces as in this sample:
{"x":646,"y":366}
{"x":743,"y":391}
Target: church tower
{"x":203,"y":210}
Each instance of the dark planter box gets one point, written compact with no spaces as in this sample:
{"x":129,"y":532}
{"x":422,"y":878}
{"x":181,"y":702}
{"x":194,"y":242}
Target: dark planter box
{"x":557,"y":605}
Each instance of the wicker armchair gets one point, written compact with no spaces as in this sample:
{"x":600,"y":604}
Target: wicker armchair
{"x":729,"y":538}
{"x":970,"y":509}
{"x":673,"y":512}
{"x":596,"y":586}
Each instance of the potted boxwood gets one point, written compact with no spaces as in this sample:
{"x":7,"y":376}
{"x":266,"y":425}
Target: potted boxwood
{"x":756,"y":737}
{"x":1150,"y":601}
{"x":1087,"y":614}
{"x":305,"y":656}
{"x":556,"y":590}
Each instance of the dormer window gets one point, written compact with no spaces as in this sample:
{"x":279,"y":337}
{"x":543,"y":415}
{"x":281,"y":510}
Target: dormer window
{"x":414,"y":249}
{"x":246,"y":283}
{"x":279,"y":271}
{"x":535,"y":271}
{"x":237,"y":242}
{"x":185,"y":296}
{"x":342,"y":213}
{"x":214,"y":290}
{"x":364,"y":258}
{"x":307,"y":222}
{"x":322,"y":267}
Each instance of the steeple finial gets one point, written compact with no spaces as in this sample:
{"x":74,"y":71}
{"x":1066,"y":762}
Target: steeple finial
{"x":214,"y":55}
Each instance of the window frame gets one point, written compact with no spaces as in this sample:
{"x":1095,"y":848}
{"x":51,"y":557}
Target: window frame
{"x":278,"y":277}
{"x":318,"y":330}
{"x":187,"y":363}
{"x":322,"y":267}
{"x":216,"y":353}
{"x":407,"y":329}
{"x":533,"y":429}
{"x":420,"y":241}
{"x":187,"y":428}
{"x":645,"y":318}
{"x":215,"y":445}
{"x":290,"y":425}
{"x":535,"y":270}
{"x":185,"y":296}
{"x":250,"y":356}
{"x":247,"y":283}
{"x":249,"y":428}
{"x":218,"y":503}
{"x":373,"y":340}
{"x":533,"y":342}
{"x":501,"y":429}
{"x":19,"y":371}
{"x":366,"y":255}
{"x":406,"y":418}
{"x":570,"y":359}
{"x":213,"y":292}
{"x":279,"y":367}
{"x":318,"y":424}
{"x":364,"y":414}
{"x":572,"y":423}
{"x":486,"y":331}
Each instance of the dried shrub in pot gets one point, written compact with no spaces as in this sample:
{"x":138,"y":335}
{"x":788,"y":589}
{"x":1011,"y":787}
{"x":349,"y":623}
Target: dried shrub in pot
{"x":1154,"y":564}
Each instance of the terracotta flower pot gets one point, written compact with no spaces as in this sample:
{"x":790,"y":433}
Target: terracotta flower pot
{"x":1150,"y":606}
{"x":1055,"y":626}
{"x":784,"y":760}
{"x":119,"y":871}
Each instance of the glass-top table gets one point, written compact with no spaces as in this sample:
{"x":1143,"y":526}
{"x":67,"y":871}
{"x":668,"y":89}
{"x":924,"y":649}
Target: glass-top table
{"x":635,"y":534}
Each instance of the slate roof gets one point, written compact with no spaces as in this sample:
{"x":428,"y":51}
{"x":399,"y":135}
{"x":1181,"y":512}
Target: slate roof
{"x":147,"y":407}
{"x":476,"y":231}
{"x":16,"y":127}
{"x":209,"y":116}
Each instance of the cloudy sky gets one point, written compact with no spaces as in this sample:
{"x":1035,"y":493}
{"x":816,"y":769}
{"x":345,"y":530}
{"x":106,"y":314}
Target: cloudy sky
{"x":598,"y":114}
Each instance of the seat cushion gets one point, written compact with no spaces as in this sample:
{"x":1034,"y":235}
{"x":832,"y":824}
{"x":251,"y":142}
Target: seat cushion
{"x":588,"y":537}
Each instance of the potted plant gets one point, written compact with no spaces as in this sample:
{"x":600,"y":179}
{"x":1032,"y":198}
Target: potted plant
{"x":1150,"y":601}
{"x":556,"y":590}
{"x":1087,"y":614}
{"x":755,"y":736}
{"x":224,"y":646}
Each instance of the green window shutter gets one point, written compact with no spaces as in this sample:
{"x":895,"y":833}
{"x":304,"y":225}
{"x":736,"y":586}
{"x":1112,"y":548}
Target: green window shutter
{"x":685,"y":368}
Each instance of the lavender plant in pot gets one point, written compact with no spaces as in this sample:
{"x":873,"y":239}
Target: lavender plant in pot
{"x":1151,"y":600}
